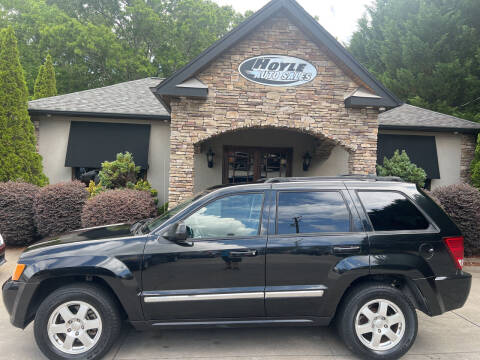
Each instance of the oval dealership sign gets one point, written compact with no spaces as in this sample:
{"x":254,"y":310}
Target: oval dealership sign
{"x":277,"y":70}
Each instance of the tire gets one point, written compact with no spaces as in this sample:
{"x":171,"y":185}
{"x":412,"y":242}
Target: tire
{"x":367,"y":332}
{"x":92,"y":313}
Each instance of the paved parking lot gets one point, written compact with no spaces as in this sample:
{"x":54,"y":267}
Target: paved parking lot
{"x":454,"y":335}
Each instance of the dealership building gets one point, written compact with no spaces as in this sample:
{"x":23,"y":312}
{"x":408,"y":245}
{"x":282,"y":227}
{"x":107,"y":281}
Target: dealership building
{"x":277,"y":96}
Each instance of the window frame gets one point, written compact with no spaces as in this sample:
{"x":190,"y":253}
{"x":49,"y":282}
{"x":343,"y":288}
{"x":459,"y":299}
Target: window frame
{"x":260,"y":224}
{"x":320,"y":233}
{"x":432,"y":227}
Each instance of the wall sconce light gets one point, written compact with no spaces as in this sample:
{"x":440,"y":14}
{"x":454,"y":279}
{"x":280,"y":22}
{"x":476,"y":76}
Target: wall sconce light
{"x":210,"y":155}
{"x":307,"y":160}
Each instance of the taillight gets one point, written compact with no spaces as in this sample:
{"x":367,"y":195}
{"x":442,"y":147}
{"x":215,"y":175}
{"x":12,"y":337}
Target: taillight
{"x":455,"y":247}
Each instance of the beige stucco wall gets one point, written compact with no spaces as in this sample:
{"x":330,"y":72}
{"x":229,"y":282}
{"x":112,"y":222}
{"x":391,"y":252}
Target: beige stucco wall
{"x":336,"y":164}
{"x":449,"y":147}
{"x":53,"y":141}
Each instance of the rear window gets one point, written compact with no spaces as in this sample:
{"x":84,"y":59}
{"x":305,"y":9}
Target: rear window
{"x":312,"y":212}
{"x":392,"y":211}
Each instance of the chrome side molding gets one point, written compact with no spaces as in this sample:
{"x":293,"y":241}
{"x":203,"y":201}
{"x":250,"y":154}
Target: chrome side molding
{"x":293,"y":294}
{"x":236,"y":296}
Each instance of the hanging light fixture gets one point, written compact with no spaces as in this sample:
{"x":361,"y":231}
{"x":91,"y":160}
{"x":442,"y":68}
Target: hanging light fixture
{"x":210,"y":155}
{"x":307,"y":160}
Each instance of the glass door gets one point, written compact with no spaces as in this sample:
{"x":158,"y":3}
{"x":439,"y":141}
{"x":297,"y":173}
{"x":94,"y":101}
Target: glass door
{"x":246,"y":164}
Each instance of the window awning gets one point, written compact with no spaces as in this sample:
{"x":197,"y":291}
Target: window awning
{"x":422,"y":151}
{"x":91,"y":143}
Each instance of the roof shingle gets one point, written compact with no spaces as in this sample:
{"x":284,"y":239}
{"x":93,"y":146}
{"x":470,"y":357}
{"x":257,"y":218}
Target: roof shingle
{"x":411,"y":117}
{"x":126,"y":98}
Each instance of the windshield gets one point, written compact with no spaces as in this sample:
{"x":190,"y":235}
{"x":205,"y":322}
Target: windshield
{"x":154,"y":223}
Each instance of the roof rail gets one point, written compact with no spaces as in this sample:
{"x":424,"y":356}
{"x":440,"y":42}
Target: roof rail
{"x":339,"y":177}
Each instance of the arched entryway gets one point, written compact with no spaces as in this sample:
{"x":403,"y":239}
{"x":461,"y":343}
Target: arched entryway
{"x":247,"y":155}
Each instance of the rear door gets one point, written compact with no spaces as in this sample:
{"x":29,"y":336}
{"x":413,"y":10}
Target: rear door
{"x":315,"y":239}
{"x":402,"y":236}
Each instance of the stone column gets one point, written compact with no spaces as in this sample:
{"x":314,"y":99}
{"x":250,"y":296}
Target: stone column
{"x":467,"y":154}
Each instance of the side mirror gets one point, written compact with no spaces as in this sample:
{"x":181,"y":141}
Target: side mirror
{"x":178,"y":233}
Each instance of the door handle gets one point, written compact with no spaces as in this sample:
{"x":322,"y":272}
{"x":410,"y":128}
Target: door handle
{"x":346,"y":249}
{"x":243,"y":253}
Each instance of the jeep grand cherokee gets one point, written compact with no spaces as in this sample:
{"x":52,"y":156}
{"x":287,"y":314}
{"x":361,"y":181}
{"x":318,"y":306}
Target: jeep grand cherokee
{"x":364,"y":252}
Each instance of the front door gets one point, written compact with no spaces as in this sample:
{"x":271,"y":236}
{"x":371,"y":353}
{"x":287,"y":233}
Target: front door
{"x":314,"y":238}
{"x":219,"y":273}
{"x":248,"y":164}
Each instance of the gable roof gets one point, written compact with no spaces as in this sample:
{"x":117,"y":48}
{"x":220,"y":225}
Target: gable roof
{"x":130,"y":99}
{"x":306,"y":23}
{"x":409,"y":117}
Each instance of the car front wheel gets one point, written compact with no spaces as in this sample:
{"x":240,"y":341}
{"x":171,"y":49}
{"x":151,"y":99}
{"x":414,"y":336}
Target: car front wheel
{"x":77,"y":322}
{"x":377,"y":321}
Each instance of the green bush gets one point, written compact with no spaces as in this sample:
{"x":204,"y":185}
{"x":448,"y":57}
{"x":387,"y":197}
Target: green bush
{"x":400,"y":165}
{"x":120,"y":173}
{"x":475,"y":166}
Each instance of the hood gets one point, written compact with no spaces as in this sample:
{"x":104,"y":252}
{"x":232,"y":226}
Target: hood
{"x":106,"y":232}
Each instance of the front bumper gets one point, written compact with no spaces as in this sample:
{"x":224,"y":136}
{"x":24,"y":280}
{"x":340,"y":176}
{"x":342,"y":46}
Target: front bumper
{"x":443,"y":294}
{"x":17,"y":296}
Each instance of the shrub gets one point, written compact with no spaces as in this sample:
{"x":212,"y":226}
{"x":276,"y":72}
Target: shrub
{"x":94,"y":189}
{"x":58,"y":207}
{"x":118,"y":206}
{"x":16,"y":212}
{"x":399,"y":165}
{"x":120,"y":173}
{"x":462,"y":203}
{"x":475,"y":166}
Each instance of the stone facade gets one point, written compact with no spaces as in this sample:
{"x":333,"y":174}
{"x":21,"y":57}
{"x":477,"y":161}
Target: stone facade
{"x":316,"y":108}
{"x":467,"y":154}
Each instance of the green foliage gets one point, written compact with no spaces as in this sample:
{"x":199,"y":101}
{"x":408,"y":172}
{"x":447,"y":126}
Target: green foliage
{"x":475,"y":166}
{"x":120,"y":173}
{"x":144,"y":185}
{"x":97,"y":43}
{"x":19,"y":159}
{"x":426,"y":52}
{"x":163,"y":209}
{"x":94,"y":189}
{"x":46,"y":84}
{"x":399,"y":165}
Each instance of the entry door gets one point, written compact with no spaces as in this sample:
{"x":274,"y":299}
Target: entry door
{"x":220,"y":273}
{"x":313,"y":233}
{"x":248,"y":164}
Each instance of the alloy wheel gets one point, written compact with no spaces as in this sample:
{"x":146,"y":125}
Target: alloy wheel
{"x":74,"y":327}
{"x":380,"y":324}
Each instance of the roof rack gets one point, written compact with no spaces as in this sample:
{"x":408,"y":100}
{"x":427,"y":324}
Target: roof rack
{"x":339,"y":177}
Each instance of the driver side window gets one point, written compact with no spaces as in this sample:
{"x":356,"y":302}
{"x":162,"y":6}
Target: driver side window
{"x":229,"y":216}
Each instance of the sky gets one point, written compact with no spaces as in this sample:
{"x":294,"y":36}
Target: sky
{"x":339,"y":17}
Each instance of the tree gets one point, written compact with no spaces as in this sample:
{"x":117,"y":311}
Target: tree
{"x":399,"y":165}
{"x":475,"y":166}
{"x":427,"y":52}
{"x":46,"y":84}
{"x":18,"y":157}
{"x":101,"y":42}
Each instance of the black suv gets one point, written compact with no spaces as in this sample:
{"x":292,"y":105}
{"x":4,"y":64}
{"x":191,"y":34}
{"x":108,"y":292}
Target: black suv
{"x":363,"y":251}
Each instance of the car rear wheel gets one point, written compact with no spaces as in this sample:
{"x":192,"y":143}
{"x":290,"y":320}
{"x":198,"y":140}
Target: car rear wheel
{"x":377,"y":321}
{"x":77,"y":322}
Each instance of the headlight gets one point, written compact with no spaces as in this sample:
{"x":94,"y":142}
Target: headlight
{"x":1,"y":241}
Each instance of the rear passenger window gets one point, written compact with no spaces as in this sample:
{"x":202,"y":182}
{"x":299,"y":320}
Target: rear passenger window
{"x":312,"y":212}
{"x":392,"y":211}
